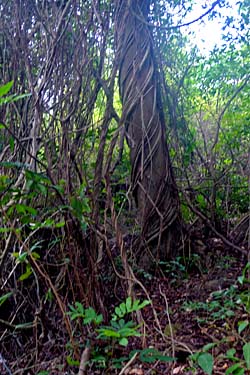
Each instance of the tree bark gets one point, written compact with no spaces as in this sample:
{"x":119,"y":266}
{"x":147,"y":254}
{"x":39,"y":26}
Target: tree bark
{"x":152,"y":179}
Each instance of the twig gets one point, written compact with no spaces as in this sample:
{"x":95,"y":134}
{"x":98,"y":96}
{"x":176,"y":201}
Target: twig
{"x":84,"y":361}
{"x":17,"y":326}
{"x":127,"y":364}
{"x":207,"y":221}
{"x":169,"y":321}
{"x":214,"y":4}
{"x":3,"y":362}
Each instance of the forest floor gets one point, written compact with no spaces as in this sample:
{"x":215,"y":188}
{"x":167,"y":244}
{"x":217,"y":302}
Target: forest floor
{"x":199,"y":305}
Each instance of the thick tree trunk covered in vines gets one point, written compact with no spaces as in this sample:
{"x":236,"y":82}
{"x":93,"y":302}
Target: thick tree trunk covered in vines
{"x":152,"y":179}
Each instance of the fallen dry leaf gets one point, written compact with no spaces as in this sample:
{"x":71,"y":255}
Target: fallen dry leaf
{"x":136,"y":371}
{"x":178,"y":370}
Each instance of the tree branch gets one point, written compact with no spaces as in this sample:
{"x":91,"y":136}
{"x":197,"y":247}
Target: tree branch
{"x":215,"y":3}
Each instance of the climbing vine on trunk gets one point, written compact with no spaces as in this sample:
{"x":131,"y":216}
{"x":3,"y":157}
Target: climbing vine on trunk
{"x":152,"y":179}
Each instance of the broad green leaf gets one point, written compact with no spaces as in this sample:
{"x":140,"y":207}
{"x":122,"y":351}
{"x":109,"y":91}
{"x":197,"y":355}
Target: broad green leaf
{"x":4,"y":89}
{"x":246,"y":353}
{"x":242,"y":325}
{"x":231,"y":354}
{"x":98,"y":319}
{"x":90,"y":315}
{"x":5,"y":297}
{"x":235,"y":369}
{"x":206,"y":362}
{"x":42,"y":188}
{"x":123,"y":341}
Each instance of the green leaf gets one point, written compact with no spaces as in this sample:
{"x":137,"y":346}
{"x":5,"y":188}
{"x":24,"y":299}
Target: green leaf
{"x":243,"y":278}
{"x":76,"y":312}
{"x":49,"y":295}
{"x":20,"y":257}
{"x":129,"y":304}
{"x":242,"y":325}
{"x":148,"y":355}
{"x":27,"y":273}
{"x":206,"y":362}
{"x":231,"y":354}
{"x":13,"y":98}
{"x":5,"y":297}
{"x":235,"y":369}
{"x":71,"y":361}
{"x":80,"y":308}
{"x":43,"y":372}
{"x":107,"y":333}
{"x":90,"y":315}
{"x":5,"y":230}
{"x":128,"y":307}
{"x":208,"y":346}
{"x":123,"y":341}
{"x":246,"y":354}
{"x":99,"y":319}
{"x":143,"y":304}
{"x":151,"y":355}
{"x":123,"y":309}
{"x":60,"y":224}
{"x":35,"y":255}
{"x":126,"y":332}
{"x":23,"y":209}
{"x":117,"y":313}
{"x":5,"y":89}
{"x":12,"y":143}
{"x":118,"y":363}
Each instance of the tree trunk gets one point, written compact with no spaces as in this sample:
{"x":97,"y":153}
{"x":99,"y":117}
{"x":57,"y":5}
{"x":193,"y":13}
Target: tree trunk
{"x":152,"y":179}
